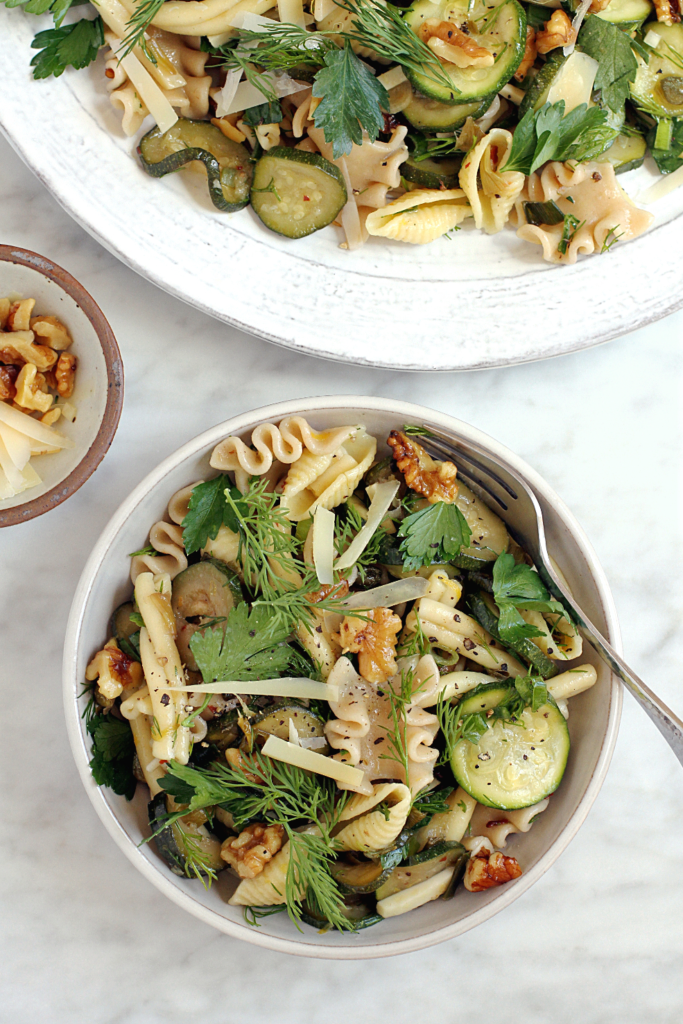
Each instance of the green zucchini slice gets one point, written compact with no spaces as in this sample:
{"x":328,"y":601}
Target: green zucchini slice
{"x":483,"y":698}
{"x":275,"y":722}
{"x":501,"y":29}
{"x":431,"y":173}
{"x":228,"y":165}
{"x":187,"y":849}
{"x":357,"y":876}
{"x":355,"y":910}
{"x":430,"y":115}
{"x":295,"y":193}
{"x":626,"y":153}
{"x":422,"y":866}
{"x":224,"y":731}
{"x":525,"y":648}
{"x":121,"y":626}
{"x":512,"y":766}
{"x":627,"y":14}
{"x":658,"y":85}
{"x":204,"y":593}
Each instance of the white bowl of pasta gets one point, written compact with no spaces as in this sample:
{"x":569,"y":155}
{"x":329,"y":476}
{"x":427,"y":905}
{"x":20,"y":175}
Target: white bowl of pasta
{"x":344,"y":775}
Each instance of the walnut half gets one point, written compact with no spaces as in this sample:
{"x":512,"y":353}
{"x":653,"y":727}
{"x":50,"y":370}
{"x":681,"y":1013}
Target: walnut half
{"x":557,"y":31}
{"x":486,"y":870}
{"x":249,"y":852}
{"x":433,"y":479}
{"x":373,"y":639}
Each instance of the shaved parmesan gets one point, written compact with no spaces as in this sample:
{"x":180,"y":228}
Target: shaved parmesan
{"x":293,"y":734}
{"x":581,"y":12}
{"x":666,"y":184}
{"x":323,"y":544}
{"x":226,"y":95}
{"x":34,"y":429}
{"x":574,"y":83}
{"x":288,"y":686}
{"x":14,"y":476}
{"x":389,"y":594}
{"x":321,"y":8}
{"x":416,"y":895}
{"x":393,"y":77}
{"x":379,"y":506}
{"x":281,"y":750}
{"x":350,"y":218}
{"x":18,"y":445}
{"x":247,"y":95}
{"x":652,"y":39}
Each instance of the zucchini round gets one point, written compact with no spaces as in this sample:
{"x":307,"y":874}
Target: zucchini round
{"x":224,"y":732}
{"x":274,"y":721}
{"x":431,"y":173}
{"x":513,"y":766}
{"x":626,"y":153}
{"x":359,"y":877}
{"x":483,"y":698}
{"x":205,"y":592}
{"x":627,"y":14}
{"x":355,"y":910}
{"x":501,"y":30}
{"x":658,"y":86}
{"x":187,"y":849}
{"x":121,"y":627}
{"x":295,"y":193}
{"x":227,"y":163}
{"x":525,"y":647}
{"x":430,"y":115}
{"x":422,"y":866}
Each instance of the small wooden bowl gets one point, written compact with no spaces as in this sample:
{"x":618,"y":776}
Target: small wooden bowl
{"x":98,"y":395}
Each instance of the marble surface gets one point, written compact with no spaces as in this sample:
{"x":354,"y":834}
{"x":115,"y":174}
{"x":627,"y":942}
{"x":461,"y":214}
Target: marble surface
{"x":598,"y":940}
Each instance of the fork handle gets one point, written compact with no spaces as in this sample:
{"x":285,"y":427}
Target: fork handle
{"x":669,"y":724}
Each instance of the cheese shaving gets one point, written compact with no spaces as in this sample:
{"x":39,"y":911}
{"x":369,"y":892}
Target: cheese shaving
{"x":389,"y":594}
{"x":288,"y":686}
{"x":18,"y":445}
{"x":300,"y":757}
{"x":323,"y":545}
{"x":379,"y":506}
{"x":226,"y":95}
{"x":393,"y":77}
{"x":581,"y":13}
{"x":666,"y":184}
{"x":652,"y":39}
{"x":293,"y":734}
{"x":247,"y":95}
{"x":34,"y":429}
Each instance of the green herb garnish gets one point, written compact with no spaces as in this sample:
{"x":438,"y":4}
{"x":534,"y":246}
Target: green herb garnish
{"x":434,"y":534}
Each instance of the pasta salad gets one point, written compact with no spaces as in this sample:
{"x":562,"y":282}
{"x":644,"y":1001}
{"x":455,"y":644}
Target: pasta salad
{"x":342,"y":682}
{"x":401,"y":122}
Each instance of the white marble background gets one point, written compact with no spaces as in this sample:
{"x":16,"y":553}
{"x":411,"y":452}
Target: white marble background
{"x":597,"y":941}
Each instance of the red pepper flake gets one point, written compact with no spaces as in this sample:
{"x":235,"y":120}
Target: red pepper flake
{"x":306,"y":199}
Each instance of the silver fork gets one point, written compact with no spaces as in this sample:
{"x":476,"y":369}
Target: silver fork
{"x":511,"y":496}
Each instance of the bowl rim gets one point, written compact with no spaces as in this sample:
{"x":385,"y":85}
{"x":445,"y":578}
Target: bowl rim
{"x":71,"y":683}
{"x":114,"y":402}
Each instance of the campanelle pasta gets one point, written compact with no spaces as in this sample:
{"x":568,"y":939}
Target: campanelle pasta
{"x":296,"y":660}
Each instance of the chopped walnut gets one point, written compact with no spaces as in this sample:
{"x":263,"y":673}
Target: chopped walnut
{"x":31,"y":390}
{"x":65,"y":374}
{"x":668,"y":11}
{"x":598,"y":5}
{"x":374,"y":642}
{"x":8,"y":379}
{"x":251,"y":850}
{"x":5,"y":305}
{"x":529,"y":54}
{"x":235,"y":759}
{"x":19,"y":348}
{"x":429,"y":477}
{"x":335,"y":590}
{"x":557,"y":31}
{"x":52,"y":330}
{"x":19,"y":316}
{"x":485,"y":870}
{"x":114,"y":672}
{"x":451,"y":44}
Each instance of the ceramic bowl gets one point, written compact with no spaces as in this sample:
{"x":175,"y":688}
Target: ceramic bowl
{"x":593,"y":722}
{"x":98,"y":394}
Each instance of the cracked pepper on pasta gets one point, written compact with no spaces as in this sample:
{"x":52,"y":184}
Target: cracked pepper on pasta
{"x":342,"y":682}
{"x":403,"y":123}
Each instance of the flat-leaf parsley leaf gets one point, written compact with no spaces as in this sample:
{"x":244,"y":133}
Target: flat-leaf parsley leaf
{"x":434,"y":534}
{"x":352,"y":101}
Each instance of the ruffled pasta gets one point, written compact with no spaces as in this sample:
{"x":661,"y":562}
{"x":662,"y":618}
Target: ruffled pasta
{"x":167,"y":541}
{"x":420,"y":216}
{"x":496,"y":825}
{"x":340,"y":19}
{"x":373,"y":167}
{"x":601,"y":207}
{"x":327,"y":480}
{"x":560,"y":640}
{"x":490,"y":191}
{"x":363,"y":727}
{"x":370,"y":829}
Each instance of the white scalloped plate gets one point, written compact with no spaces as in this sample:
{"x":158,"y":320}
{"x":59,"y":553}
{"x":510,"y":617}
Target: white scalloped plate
{"x":472,"y":302}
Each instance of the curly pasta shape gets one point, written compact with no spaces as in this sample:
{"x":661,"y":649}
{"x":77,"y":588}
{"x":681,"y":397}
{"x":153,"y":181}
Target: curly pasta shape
{"x":490,"y":191}
{"x":268,"y":888}
{"x":602,"y":209}
{"x":327,"y":480}
{"x":362,"y":731}
{"x":496,"y":826}
{"x":167,"y":540}
{"x":560,"y":639}
{"x":285,"y":443}
{"x":340,"y":19}
{"x":373,"y":167}
{"x":421,"y":216}
{"x":370,"y":829}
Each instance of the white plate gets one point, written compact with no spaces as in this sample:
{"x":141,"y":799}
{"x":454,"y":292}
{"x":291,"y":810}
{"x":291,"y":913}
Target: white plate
{"x":593,"y":723}
{"x":472,"y":302}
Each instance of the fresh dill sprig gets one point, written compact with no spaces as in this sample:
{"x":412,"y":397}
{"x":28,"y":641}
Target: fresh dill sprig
{"x":282,"y":46}
{"x":382,"y":29}
{"x":400,"y":701}
{"x":137,"y":25}
{"x":610,"y":238}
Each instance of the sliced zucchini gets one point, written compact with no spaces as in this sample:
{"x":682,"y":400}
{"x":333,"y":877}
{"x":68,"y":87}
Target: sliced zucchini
{"x":224,"y":731}
{"x":626,"y":153}
{"x":205,"y":592}
{"x":471,"y":562}
{"x":431,"y":173}
{"x":430,"y":115}
{"x":121,"y":626}
{"x":500,"y":29}
{"x":295,"y":193}
{"x":513,"y":765}
{"x":525,"y":648}
{"x":422,"y":866}
{"x":483,"y":698}
{"x":355,"y":910}
{"x":357,"y":876}
{"x":561,"y":78}
{"x":227,"y":163}
{"x":187,"y":849}
{"x":627,"y":14}
{"x":275,"y":722}
{"x":658,"y":85}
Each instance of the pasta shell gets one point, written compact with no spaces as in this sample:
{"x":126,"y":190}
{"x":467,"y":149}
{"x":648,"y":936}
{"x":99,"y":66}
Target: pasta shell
{"x":327,"y":480}
{"x":372,"y":829}
{"x":490,"y":191}
{"x":420,"y":216}
{"x":268,"y":888}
